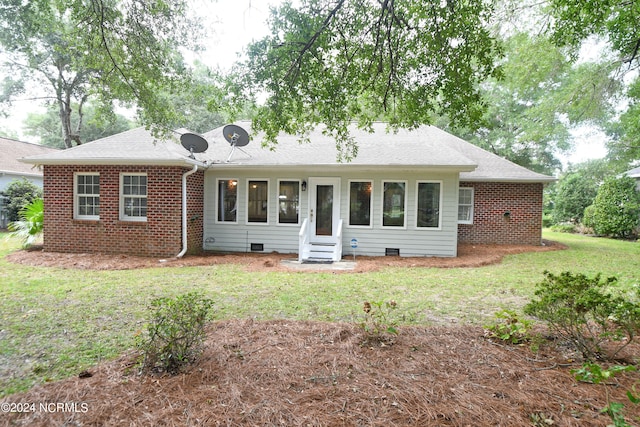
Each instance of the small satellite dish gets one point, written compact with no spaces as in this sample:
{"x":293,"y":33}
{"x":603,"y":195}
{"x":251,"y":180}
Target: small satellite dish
{"x":194,"y":143}
{"x":237,"y":137}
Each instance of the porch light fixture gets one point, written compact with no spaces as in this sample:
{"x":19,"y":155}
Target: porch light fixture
{"x":507,"y":214}
{"x":304,"y":185}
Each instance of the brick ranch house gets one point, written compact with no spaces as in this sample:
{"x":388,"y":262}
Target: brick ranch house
{"x":410,"y":193}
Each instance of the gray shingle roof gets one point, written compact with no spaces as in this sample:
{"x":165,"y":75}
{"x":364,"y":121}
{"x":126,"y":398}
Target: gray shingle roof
{"x":425,"y":147}
{"x":633,"y":173}
{"x":12,"y":150}
{"x":135,"y":146}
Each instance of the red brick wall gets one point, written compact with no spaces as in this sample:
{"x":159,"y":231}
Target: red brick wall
{"x":491,"y":201}
{"x":159,"y":236}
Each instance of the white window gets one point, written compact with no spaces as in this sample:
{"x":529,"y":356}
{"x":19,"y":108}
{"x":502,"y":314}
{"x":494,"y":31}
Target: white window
{"x":360,"y":203}
{"x":394,"y":201}
{"x":465,"y":205}
{"x":288,"y":201}
{"x":257,"y":201}
{"x":87,"y":196}
{"x":429,"y":197}
{"x":227,"y":205}
{"x":133,"y":197}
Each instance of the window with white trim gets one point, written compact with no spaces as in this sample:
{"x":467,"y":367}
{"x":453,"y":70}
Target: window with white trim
{"x":394,"y":200}
{"x":288,"y":202}
{"x":257,"y":201}
{"x":429,"y":200}
{"x":133,"y":196}
{"x":227,"y":204}
{"x":87,"y":196}
{"x":465,"y":205}
{"x":360,"y":203}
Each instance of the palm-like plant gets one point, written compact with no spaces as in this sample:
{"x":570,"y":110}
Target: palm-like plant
{"x":30,"y":226}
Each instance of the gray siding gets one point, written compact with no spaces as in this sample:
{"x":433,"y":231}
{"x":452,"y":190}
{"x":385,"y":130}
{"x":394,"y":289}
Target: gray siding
{"x":372,"y":241}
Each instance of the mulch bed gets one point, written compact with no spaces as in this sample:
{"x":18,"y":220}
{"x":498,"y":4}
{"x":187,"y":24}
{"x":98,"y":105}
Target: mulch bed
{"x":468,"y":256}
{"x":295,"y":373}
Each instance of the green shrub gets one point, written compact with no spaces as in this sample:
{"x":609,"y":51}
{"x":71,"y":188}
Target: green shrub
{"x":18,"y":194}
{"x":378,"y":320}
{"x":583,"y":311}
{"x":588,"y":219}
{"x":31,"y":223}
{"x":564,"y":227}
{"x":616,"y":209}
{"x":176,"y":333}
{"x":510,"y":327}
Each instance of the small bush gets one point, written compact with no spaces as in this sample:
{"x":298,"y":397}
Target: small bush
{"x":565,"y":227}
{"x":510,"y":327}
{"x":378,"y":320}
{"x":18,"y":194}
{"x":31,"y":224}
{"x":582,"y":311}
{"x":176,"y":332}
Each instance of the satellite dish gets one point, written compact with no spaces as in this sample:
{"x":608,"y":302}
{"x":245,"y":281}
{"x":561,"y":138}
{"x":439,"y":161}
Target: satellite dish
{"x":194,"y":143}
{"x":237,"y":137}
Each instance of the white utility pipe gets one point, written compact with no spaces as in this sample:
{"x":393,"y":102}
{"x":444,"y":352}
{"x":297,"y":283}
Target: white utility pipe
{"x":184,"y":211}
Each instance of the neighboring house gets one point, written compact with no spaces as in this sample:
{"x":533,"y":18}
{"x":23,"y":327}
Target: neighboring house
{"x":635,"y":174}
{"x":11,"y":168}
{"x":409,"y":193}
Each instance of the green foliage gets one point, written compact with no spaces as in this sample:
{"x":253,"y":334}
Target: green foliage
{"x":18,"y":194}
{"x":624,"y":144}
{"x":510,"y":327}
{"x":31,"y":224}
{"x":378,"y":320}
{"x":48,"y":128}
{"x":332,"y":63}
{"x":588,"y":218}
{"x":564,"y":227}
{"x":176,"y":332}
{"x":104,"y":51}
{"x":584,"y":312}
{"x":531,"y":110}
{"x":616,"y":22}
{"x":616,"y":210}
{"x":596,"y":374}
{"x":575,"y":191}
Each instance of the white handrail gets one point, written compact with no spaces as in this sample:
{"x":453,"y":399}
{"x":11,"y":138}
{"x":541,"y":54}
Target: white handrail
{"x":338,"y":251}
{"x":303,"y":238}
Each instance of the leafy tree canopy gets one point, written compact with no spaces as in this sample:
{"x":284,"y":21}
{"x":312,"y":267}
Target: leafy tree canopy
{"x":402,"y":61}
{"x":48,"y":128}
{"x":616,"y":21}
{"x":624,"y":147}
{"x":105,"y":50}
{"x":542,"y":95}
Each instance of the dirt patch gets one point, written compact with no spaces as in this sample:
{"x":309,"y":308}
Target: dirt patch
{"x":319,"y":374}
{"x":468,"y":256}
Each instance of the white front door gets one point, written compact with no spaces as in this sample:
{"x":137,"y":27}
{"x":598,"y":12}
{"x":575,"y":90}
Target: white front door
{"x":324,"y":209}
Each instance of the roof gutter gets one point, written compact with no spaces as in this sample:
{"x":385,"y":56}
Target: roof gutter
{"x":184,"y":210}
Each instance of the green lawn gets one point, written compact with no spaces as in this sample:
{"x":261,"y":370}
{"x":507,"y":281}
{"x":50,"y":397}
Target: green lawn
{"x":56,"y":322}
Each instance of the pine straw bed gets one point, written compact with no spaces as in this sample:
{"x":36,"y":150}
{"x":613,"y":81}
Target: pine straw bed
{"x":295,"y":373}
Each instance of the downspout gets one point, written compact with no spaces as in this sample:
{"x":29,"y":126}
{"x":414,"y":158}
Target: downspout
{"x":184,"y":211}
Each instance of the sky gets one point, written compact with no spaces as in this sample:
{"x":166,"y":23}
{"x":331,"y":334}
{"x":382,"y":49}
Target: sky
{"x":233,"y":24}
